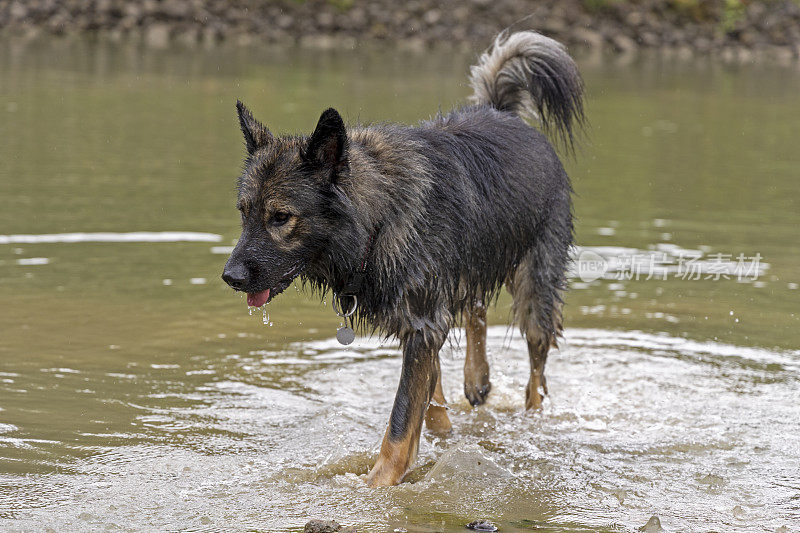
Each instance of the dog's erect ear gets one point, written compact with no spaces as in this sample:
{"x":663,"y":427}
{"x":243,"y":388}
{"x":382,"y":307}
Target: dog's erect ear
{"x":327,"y":146}
{"x":256,"y":135}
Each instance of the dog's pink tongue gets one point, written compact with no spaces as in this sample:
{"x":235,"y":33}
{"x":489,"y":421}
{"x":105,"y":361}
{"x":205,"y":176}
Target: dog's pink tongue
{"x":257,"y":299}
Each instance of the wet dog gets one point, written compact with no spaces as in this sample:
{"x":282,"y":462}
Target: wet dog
{"x":419,"y":227}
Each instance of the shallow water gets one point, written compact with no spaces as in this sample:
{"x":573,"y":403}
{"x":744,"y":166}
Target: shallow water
{"x":136,"y":393}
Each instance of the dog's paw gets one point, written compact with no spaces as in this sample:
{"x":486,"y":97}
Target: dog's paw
{"x":385,"y":473}
{"x":535,"y":391}
{"x":437,"y":421}
{"x":476,"y":393}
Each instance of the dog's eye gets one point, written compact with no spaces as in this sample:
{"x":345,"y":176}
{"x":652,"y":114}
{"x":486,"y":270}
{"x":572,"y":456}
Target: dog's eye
{"x":279,"y":218}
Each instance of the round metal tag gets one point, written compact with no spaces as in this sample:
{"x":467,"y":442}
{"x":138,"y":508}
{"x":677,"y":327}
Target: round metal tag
{"x":345,"y":335}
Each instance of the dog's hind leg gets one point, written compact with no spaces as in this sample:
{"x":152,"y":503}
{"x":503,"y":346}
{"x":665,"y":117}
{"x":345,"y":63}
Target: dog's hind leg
{"x":537,"y":312}
{"x":436,"y":419}
{"x":538,"y":346}
{"x":476,"y":368}
{"x":418,"y":381}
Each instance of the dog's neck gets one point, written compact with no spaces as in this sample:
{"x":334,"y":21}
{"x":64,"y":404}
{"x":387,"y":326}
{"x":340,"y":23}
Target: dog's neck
{"x":350,"y":263}
{"x":382,"y":220}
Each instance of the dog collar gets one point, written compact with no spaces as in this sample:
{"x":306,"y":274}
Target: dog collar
{"x":345,"y":334}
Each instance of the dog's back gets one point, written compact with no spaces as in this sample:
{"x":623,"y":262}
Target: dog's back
{"x":511,"y":188}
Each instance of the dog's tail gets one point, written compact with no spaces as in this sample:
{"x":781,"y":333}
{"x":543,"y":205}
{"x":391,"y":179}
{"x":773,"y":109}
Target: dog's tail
{"x":533,"y":76}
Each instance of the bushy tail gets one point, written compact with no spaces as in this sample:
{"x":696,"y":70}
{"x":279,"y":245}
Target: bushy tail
{"x":533,"y":76}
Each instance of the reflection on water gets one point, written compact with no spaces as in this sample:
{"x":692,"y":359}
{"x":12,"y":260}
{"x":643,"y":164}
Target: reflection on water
{"x":137,"y":393}
{"x":137,"y":236}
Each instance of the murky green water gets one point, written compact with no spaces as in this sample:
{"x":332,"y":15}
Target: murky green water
{"x":136,"y":393}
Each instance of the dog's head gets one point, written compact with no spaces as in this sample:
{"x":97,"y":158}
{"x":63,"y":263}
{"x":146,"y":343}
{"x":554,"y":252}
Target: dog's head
{"x":285,"y":195}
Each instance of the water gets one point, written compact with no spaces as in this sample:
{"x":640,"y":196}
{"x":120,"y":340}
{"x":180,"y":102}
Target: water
{"x":137,"y":393}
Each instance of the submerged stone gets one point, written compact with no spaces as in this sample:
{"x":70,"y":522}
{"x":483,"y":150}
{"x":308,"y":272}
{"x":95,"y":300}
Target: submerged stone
{"x":481,"y":525}
{"x":326,"y":526}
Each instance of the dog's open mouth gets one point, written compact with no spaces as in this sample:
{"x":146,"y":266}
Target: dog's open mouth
{"x":259,"y":298}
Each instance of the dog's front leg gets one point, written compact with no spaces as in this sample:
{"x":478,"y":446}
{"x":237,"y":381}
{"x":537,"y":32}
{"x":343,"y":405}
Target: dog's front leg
{"x":417,"y":383}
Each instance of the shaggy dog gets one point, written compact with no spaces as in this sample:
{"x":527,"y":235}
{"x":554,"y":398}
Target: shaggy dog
{"x":414,"y":228}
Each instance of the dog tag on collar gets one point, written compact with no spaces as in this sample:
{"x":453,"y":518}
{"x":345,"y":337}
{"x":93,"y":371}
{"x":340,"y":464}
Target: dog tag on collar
{"x":345,"y":335}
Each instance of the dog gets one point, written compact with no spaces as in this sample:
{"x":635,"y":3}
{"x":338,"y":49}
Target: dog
{"x":416,"y":229}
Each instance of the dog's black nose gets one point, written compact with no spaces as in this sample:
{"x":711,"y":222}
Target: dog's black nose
{"x":235,"y":276}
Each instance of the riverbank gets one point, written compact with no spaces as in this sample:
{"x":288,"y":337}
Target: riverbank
{"x":735,"y":28}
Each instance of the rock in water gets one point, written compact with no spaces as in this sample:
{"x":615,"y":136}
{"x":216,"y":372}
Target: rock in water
{"x":325,"y":526}
{"x":482,"y":525}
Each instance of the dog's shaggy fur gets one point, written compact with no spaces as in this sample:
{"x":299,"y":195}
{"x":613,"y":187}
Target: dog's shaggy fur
{"x":425,"y":224}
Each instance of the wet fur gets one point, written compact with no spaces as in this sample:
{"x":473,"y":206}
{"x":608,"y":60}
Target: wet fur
{"x":440,"y":216}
